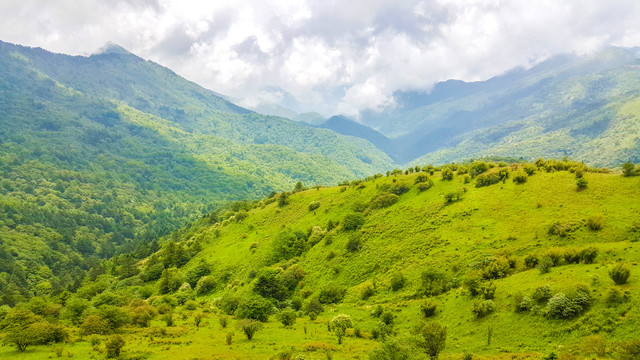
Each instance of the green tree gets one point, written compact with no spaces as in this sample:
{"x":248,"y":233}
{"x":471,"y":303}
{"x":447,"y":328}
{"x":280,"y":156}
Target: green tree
{"x":17,"y":324}
{"x":249,"y":327}
{"x":340,"y":323}
{"x":114,"y":346}
{"x":628,"y":169}
{"x":433,"y":340}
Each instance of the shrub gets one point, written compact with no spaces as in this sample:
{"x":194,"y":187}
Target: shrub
{"x":205,"y":285}
{"x":562,"y":306}
{"x":249,"y":327}
{"x":332,"y":294}
{"x":620,"y":273}
{"x":287,"y":316}
{"x":399,"y":189}
{"x":377,"y":312}
{"x":383,"y":201}
{"x":340,"y":323}
{"x":314,"y":205}
{"x":452,"y":196}
{"x":581,"y":184}
{"x":114,"y":346}
{"x":545,"y":265}
{"x":228,"y":303}
{"x":397,"y":281}
{"x":447,"y":174}
{"x":434,"y":282}
{"x":531,"y":261}
{"x":314,"y":306}
{"x":595,"y":222}
{"x":615,"y":296}
{"x":367,"y":292}
{"x":229,"y":339}
{"x":425,"y":185}
{"x":478,"y":167}
{"x":520,"y":177}
{"x":434,"y":337}
{"x":529,"y":169}
{"x":224,"y":321}
{"x":525,"y":304}
{"x":629,"y":350}
{"x":354,"y":243}
{"x":473,"y":283}
{"x":428,"y":308}
{"x":588,"y":255}
{"x":488,"y":290}
{"x":482,"y":308}
{"x":352,"y":221}
{"x":396,"y":348}
{"x":542,"y":294}
{"x":255,"y":308}
{"x":421,"y":178}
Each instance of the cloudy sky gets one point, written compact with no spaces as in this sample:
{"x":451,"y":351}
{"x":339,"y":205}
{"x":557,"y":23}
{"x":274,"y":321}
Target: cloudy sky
{"x":331,"y":56}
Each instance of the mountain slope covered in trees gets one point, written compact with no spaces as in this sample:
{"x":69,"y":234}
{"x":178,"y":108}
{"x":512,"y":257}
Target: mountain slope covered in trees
{"x":103,"y":154}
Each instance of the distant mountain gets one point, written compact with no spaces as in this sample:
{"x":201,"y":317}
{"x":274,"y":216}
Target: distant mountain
{"x":346,"y":126}
{"x":587,"y":108}
{"x":100,"y":154}
{"x":312,"y":118}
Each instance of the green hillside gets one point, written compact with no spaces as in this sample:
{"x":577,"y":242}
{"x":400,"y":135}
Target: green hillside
{"x":103,"y":154}
{"x":516,"y":261}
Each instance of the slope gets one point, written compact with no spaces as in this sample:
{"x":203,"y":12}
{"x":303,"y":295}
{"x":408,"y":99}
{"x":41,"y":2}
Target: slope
{"x":513,"y":269}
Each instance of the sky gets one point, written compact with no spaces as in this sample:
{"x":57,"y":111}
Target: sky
{"x":327,"y":56}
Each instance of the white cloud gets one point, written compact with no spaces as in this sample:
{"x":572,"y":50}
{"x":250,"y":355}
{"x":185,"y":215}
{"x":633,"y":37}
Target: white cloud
{"x":331,"y":56}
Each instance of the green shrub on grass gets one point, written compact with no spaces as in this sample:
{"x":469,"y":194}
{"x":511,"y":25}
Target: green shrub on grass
{"x":620,"y":273}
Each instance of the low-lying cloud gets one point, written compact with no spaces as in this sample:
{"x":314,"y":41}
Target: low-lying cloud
{"x":332,"y":57}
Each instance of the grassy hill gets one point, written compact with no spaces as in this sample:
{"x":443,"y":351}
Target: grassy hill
{"x":516,"y":266}
{"x":103,"y":154}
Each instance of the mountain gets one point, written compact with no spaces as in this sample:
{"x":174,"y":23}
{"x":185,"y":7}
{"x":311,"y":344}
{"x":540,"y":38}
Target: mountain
{"x":582,"y":107}
{"x":103,"y":154}
{"x":516,"y":261}
{"x":346,"y":126}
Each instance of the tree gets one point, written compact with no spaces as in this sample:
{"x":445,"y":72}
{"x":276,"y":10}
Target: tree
{"x":114,"y":346}
{"x":254,"y":307}
{"x":581,"y":184}
{"x":287,"y":316}
{"x":352,"y":221}
{"x":628,"y":169}
{"x":250,"y":327}
{"x":16,"y":324}
{"x":340,"y":323}
{"x":433,"y":339}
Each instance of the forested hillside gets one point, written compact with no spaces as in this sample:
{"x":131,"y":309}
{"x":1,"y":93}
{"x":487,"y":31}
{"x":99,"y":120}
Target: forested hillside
{"x":476,"y":261}
{"x":104,"y":154}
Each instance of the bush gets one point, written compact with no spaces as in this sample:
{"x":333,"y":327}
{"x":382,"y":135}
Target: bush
{"x":620,"y":273}
{"x":542,"y":294}
{"x":615,"y":296}
{"x":581,"y":184}
{"x":531,"y":261}
{"x":595,"y":222}
{"x":447,"y":174}
{"x":629,"y":350}
{"x":525,"y":304}
{"x":529,"y":169}
{"x":562,"y":306}
{"x":428,"y":308}
{"x":352,"y":221}
{"x":545,"y":265}
{"x":367,"y":292}
{"x":452,"y":196}
{"x":313,"y":306}
{"x":249,"y":327}
{"x":588,"y":255}
{"x":482,"y":308}
{"x":114,"y":346}
{"x":520,"y":177}
{"x":383,"y":201}
{"x":397,"y":281}
{"x":224,"y":321}
{"x":255,"y":308}
{"x":425,"y":185}
{"x":434,"y":337}
{"x":488,"y":290}
{"x":332,"y":294}
{"x":434,"y":282}
{"x":287,"y":316}
{"x":228,"y":303}
{"x":340,"y":323}
{"x":314,"y":205}
{"x":354,"y":243}
{"x":205,"y":285}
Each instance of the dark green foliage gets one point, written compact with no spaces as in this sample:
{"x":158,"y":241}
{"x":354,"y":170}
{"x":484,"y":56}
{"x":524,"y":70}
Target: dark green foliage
{"x":397,"y":281}
{"x":520,"y":177}
{"x":114,"y":346}
{"x":224,"y":321}
{"x":620,"y":273}
{"x":453,"y":196}
{"x":531,"y":261}
{"x":254,"y":307}
{"x":487,"y":290}
{"x":152,"y":272}
{"x":561,"y":306}
{"x":628,"y":169}
{"x":595,"y":222}
{"x":529,"y":169}
{"x":249,"y":327}
{"x":492,"y":178}
{"x":399,"y":189}
{"x":581,"y":184}
{"x":268,"y":284}
{"x":477,"y":168}
{"x":629,"y":350}
{"x":396,"y":349}
{"x":314,"y":205}
{"x":435,"y":282}
{"x":354,"y":243}
{"x":228,"y":303}
{"x":331,"y":294}
{"x":524,"y":303}
{"x":545,"y":265}
{"x":433,"y":340}
{"x":367,"y":292}
{"x":205,"y":285}
{"x":283,"y":199}
{"x":170,"y":281}
{"x":314,"y":306}
{"x":423,"y":186}
{"x":482,"y":308}
{"x":352,"y":221}
{"x":542,"y":294}
{"x":287,"y":316}
{"x":428,"y":308}
{"x":447,"y":174}
{"x":288,"y":244}
{"x":383,"y":200}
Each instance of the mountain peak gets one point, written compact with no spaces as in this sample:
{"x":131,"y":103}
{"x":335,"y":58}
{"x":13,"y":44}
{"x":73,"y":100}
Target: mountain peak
{"x":112,"y":48}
